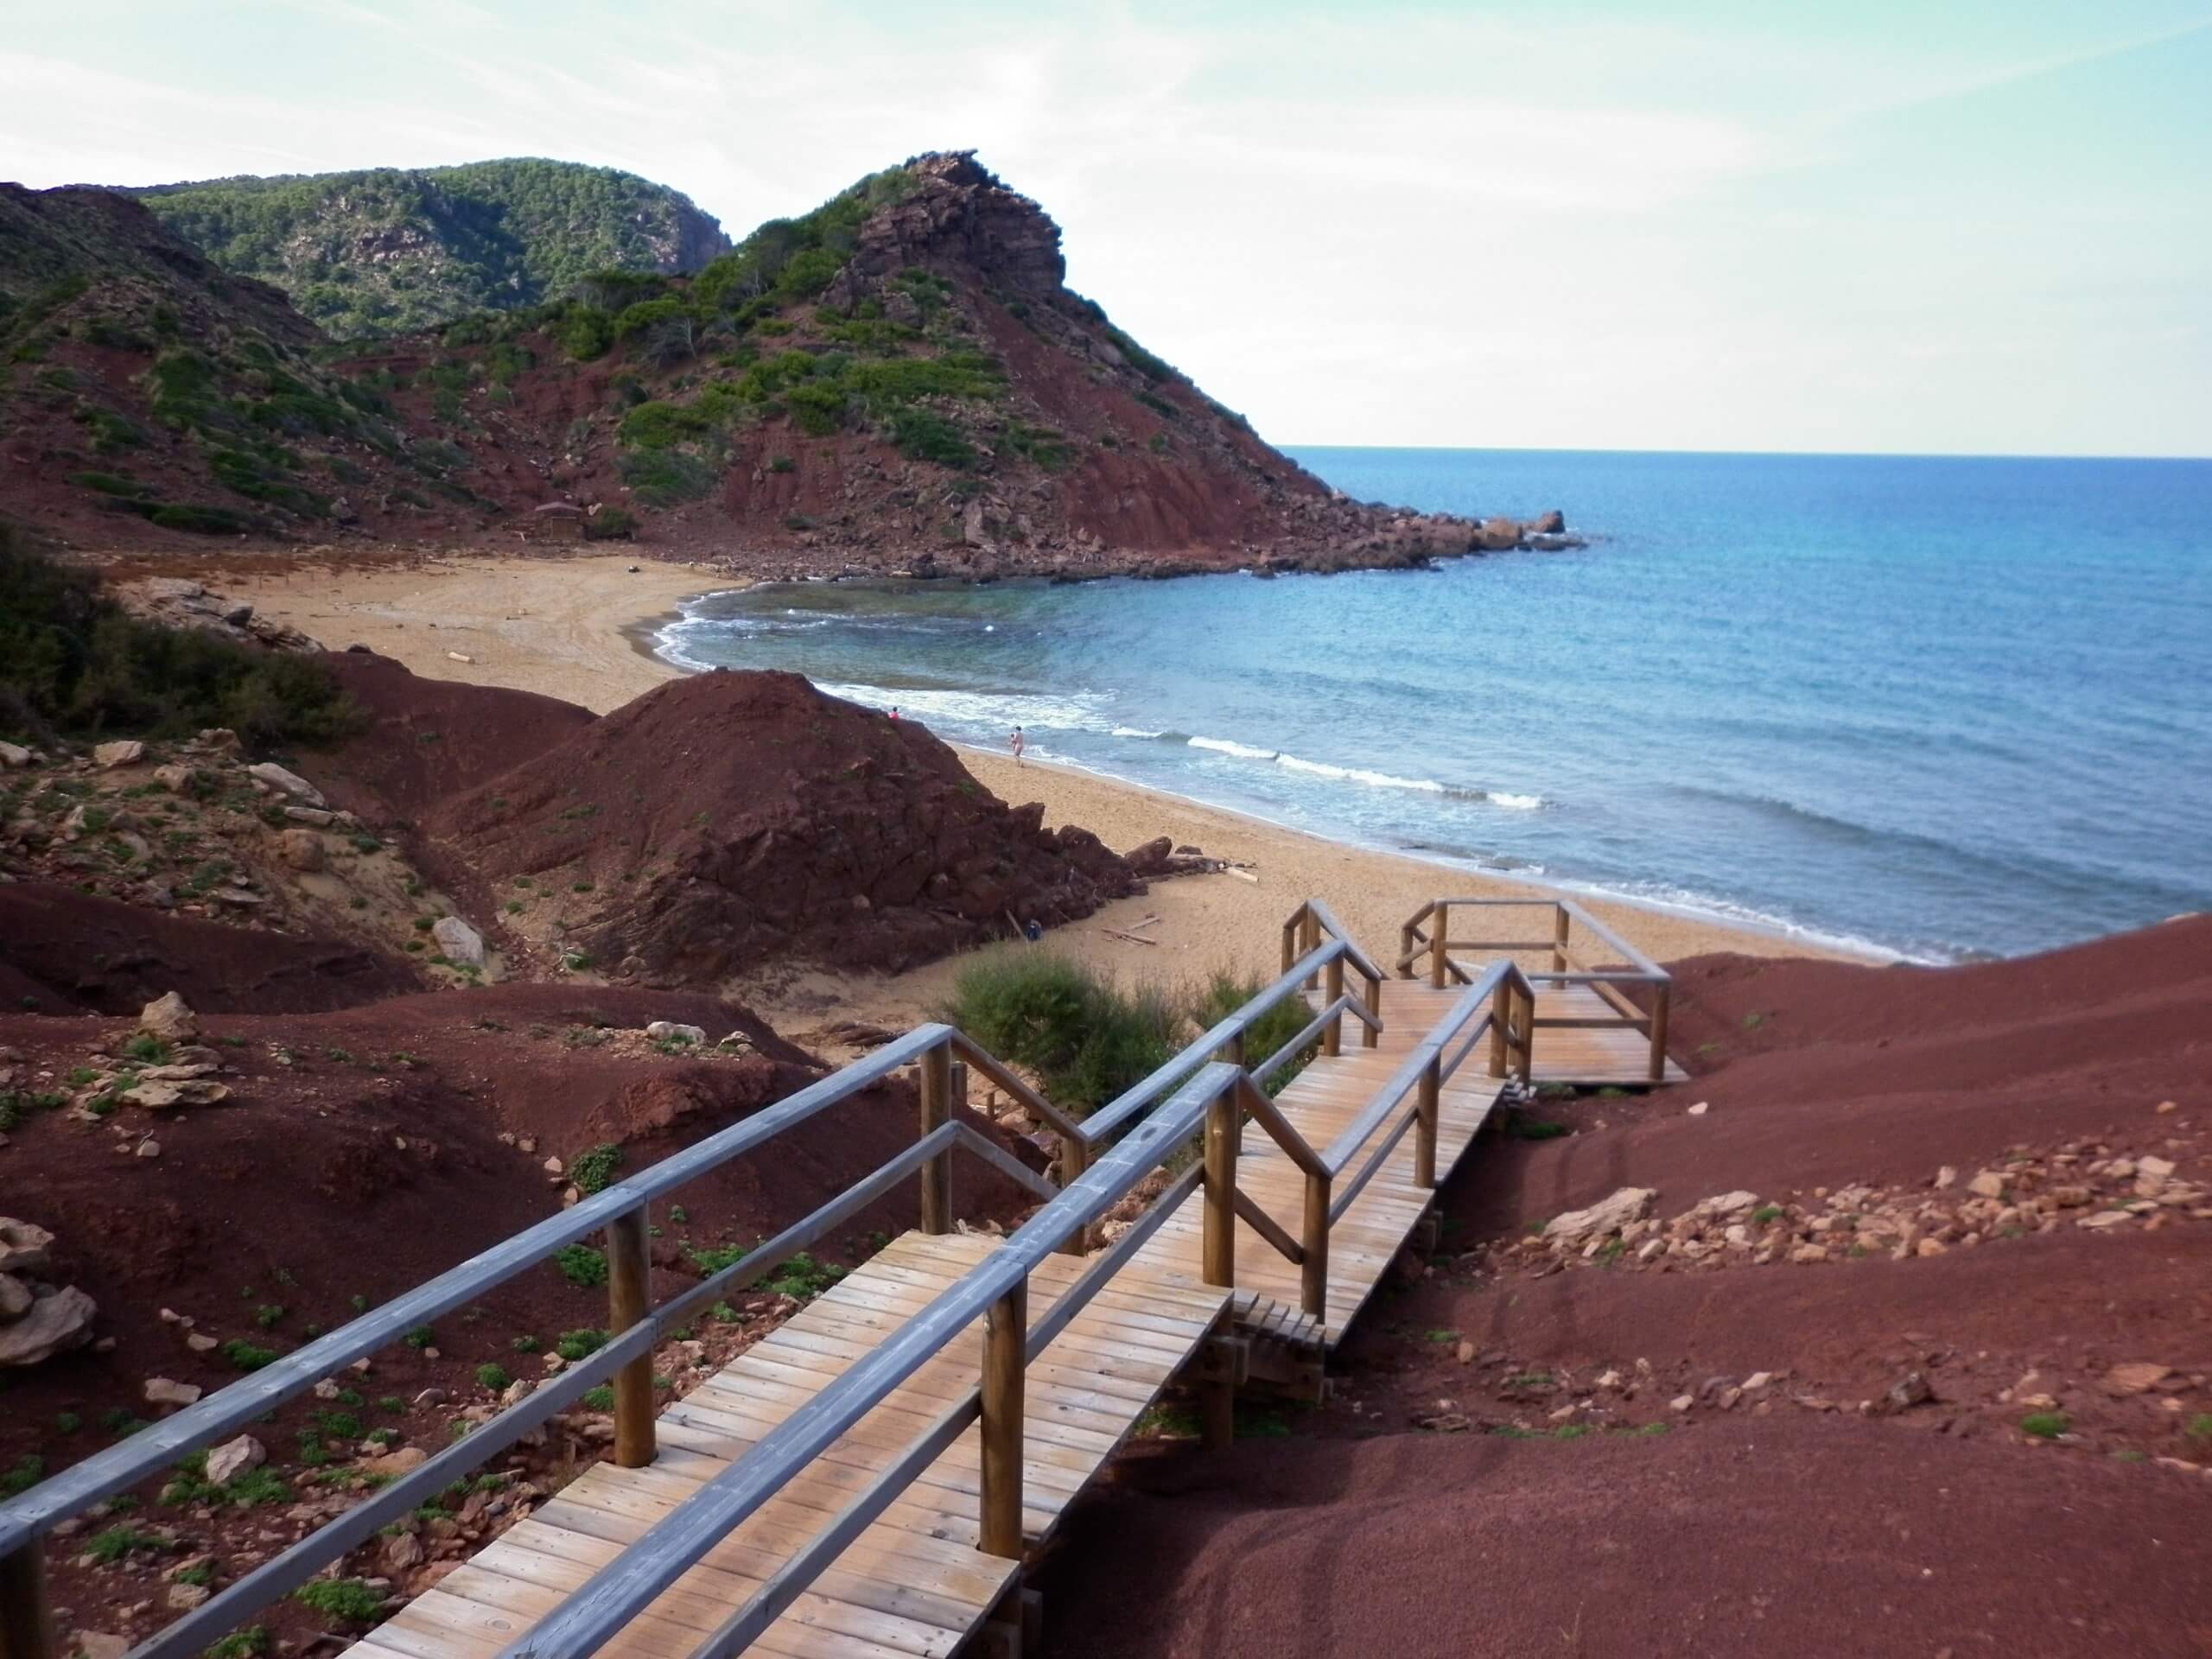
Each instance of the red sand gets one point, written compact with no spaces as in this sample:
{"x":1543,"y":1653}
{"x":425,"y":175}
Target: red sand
{"x":1802,"y":1529}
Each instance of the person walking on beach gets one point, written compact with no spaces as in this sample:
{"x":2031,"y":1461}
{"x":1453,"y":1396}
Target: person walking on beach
{"x":1015,"y":744}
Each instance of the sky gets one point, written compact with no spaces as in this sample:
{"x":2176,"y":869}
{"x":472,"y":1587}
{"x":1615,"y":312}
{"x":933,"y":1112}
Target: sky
{"x":1935,"y":227}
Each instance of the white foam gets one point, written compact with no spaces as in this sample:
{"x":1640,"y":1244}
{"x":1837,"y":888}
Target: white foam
{"x":1359,"y":775}
{"x":1135,"y":731}
{"x":1518,"y":802}
{"x":973,"y":709}
{"x":1225,"y":746}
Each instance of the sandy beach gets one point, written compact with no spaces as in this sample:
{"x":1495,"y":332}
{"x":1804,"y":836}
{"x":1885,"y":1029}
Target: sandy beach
{"x":581,"y":628}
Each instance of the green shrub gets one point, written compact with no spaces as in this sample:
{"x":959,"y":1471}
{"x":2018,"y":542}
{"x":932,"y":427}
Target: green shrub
{"x":610,"y":524}
{"x":580,"y":1265}
{"x":72,"y":660}
{"x":666,"y":478}
{"x":2045,"y":1425}
{"x":239,"y":1644}
{"x":116,"y":1543}
{"x":591,"y":1171}
{"x":108,"y":483}
{"x":573,"y":1345}
{"x":1223,"y":993}
{"x":1088,"y":1039}
{"x":246,"y":1356}
{"x":23,"y":1474}
{"x":597,"y":1399}
{"x":348,"y":1601}
{"x":494,"y":1377}
{"x":924,"y":435}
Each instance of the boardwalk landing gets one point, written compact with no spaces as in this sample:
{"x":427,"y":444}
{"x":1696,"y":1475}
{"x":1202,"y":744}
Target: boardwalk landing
{"x":914,"y":1584}
{"x":1590,"y":1059}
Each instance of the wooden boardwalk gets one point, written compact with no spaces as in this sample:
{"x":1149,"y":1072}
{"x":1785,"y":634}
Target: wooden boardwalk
{"x":1615,"y":1058}
{"x":1319,"y":1101}
{"x":914,"y":1583}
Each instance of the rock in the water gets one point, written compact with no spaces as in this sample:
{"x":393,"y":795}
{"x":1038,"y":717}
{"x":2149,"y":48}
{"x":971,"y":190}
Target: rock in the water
{"x":288,"y":782}
{"x":459,"y":943}
{"x":23,"y":1245}
{"x":127,"y":753}
{"x":165,"y":1391}
{"x":668,"y":1030}
{"x":170,"y":1018}
{"x":1608,"y":1215}
{"x":226,"y":1462}
{"x":1548,"y":524}
{"x":60,"y":1321}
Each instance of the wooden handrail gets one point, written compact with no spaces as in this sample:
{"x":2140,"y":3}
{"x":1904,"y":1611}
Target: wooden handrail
{"x":620,"y":1591}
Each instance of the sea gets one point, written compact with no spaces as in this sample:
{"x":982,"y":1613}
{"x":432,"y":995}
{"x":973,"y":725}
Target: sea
{"x":1930,"y":708}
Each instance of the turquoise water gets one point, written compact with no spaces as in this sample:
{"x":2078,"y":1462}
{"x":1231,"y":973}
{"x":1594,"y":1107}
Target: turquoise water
{"x":1943,"y":706}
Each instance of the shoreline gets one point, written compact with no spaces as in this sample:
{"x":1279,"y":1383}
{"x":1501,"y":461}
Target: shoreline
{"x":583,"y":629}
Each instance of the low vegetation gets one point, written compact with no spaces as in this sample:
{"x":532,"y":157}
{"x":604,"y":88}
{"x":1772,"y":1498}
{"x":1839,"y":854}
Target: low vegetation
{"x":1088,"y":1040}
{"x":74,"y":663}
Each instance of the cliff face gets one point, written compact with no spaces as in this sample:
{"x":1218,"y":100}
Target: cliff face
{"x":898,"y":382}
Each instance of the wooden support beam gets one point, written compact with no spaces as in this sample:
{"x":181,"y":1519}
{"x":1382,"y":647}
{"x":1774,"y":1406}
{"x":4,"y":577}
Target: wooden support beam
{"x":1562,"y":920}
{"x":1075,"y":1158}
{"x":936,"y":1068}
{"x":1500,"y":1021}
{"x":1218,"y":1243}
{"x":1006,"y":1337}
{"x":630,"y":1299}
{"x":1427,"y":1114}
{"x":26,"y":1620}
{"x":1333,"y":986}
{"x":1371,"y":1029}
{"x":1662,"y":995}
{"x":1440,"y":931}
{"x":1313,"y":1271}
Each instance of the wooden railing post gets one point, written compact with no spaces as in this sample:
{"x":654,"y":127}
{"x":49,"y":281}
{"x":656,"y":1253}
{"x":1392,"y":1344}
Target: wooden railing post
{"x":1333,"y":986}
{"x":26,"y":1619}
{"x":1661,"y":993}
{"x":1501,"y":1024}
{"x":1290,"y":937}
{"x":1561,"y":922}
{"x":1439,"y":935}
{"x":629,"y":1298}
{"x":1218,"y":1243}
{"x":936,"y":1068}
{"x":1313,"y":1244}
{"x":1006,"y":1335}
{"x":1371,"y":1034}
{"x":1075,"y":1158}
{"x":1424,"y":1122}
{"x":1309,"y":937}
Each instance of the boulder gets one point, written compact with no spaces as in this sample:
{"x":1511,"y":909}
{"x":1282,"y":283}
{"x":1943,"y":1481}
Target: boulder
{"x":302,"y":849}
{"x":1496,"y":535}
{"x":22,"y":1246}
{"x":170,"y":1018}
{"x":127,"y":751}
{"x":1151,"y":858}
{"x":177,"y":779}
{"x":15,"y":1297}
{"x":165,"y":1391}
{"x":1608,"y":1215}
{"x":156,"y":1096}
{"x":287,"y":782}
{"x":2139,"y":1377}
{"x":460,"y":944}
{"x":226,"y":1462}
{"x":664,"y":1030}
{"x":1548,"y":524}
{"x":14,"y":755}
{"x":55,"y":1322}
{"x":97,"y":1644}
{"x":393,"y":1464}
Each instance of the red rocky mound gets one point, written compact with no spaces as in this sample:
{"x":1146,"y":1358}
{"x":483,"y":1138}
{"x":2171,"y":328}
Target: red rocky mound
{"x":66,"y":951}
{"x":427,"y":739}
{"x":1946,"y":1387}
{"x":728,"y":820}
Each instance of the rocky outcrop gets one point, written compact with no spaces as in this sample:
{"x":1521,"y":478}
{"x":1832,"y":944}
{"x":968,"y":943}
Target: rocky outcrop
{"x":176,"y":603}
{"x":37,"y":1319}
{"x":958,"y":211}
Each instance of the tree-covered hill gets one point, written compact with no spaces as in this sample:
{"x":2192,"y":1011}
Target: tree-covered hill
{"x":390,"y":250}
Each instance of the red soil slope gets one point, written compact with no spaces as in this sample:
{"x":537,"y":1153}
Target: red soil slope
{"x":730,"y":819}
{"x":1788,"y":1518}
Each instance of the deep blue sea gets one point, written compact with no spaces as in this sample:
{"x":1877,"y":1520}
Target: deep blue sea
{"x":1947,"y":708}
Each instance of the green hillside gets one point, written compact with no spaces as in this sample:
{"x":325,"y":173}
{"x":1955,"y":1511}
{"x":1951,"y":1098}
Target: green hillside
{"x":388,"y":250}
